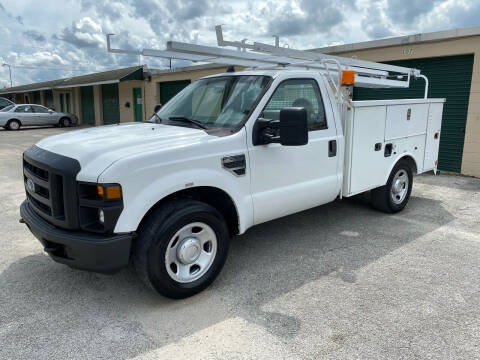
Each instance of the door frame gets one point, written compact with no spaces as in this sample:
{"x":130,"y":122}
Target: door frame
{"x":335,"y":133}
{"x":137,"y":112}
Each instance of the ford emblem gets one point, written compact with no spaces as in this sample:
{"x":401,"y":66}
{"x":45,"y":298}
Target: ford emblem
{"x":30,"y":185}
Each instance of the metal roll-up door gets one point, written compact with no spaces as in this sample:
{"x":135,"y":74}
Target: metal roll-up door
{"x":88,"y":105}
{"x":111,"y":107}
{"x":49,"y":98}
{"x":36,"y":97}
{"x":168,"y":89}
{"x":450,"y":77}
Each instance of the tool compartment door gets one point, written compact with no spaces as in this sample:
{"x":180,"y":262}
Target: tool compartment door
{"x":432,"y":142}
{"x":406,"y":120}
{"x":367,"y":161}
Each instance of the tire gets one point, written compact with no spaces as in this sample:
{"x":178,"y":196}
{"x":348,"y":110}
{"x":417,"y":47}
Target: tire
{"x":13,"y":125}
{"x":394,"y":196}
{"x":170,"y":239}
{"x":65,"y":122}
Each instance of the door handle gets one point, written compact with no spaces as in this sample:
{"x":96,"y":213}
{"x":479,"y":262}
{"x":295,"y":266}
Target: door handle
{"x":332,"y":148}
{"x":388,"y":150}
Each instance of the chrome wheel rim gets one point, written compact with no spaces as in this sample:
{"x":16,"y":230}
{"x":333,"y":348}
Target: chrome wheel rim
{"x":14,"y":125}
{"x":399,"y":188}
{"x":190,"y":252}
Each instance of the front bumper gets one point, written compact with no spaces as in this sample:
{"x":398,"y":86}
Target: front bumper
{"x":78,"y":249}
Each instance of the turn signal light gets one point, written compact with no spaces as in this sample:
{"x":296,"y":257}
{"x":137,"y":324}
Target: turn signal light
{"x":109,"y":192}
{"x":100,"y":191}
{"x":348,"y":77}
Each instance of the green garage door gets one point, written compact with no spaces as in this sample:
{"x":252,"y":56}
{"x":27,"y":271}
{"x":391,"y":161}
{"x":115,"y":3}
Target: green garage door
{"x":36,"y":97}
{"x":62,"y":102}
{"x":450,"y":77}
{"x":88,"y":106}
{"x":111,"y":107}
{"x":168,"y":89}
{"x":49,"y":99}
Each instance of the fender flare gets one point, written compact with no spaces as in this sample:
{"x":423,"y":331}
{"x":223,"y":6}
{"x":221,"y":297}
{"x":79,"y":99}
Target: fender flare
{"x":403,"y":156}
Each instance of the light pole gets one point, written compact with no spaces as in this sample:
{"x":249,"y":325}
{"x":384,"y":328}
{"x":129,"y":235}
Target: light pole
{"x":10,"y":71}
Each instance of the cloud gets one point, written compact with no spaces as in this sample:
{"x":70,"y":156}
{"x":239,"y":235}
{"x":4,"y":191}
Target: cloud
{"x":304,"y":17}
{"x":406,"y":12}
{"x":34,"y":35}
{"x":375,"y":23}
{"x":84,"y":33}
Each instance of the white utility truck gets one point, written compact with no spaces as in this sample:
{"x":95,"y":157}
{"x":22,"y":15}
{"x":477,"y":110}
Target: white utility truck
{"x":228,"y":152}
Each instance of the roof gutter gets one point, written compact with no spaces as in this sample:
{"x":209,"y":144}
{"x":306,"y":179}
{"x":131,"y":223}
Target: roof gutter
{"x":60,"y":87}
{"x":24,"y":91}
{"x":402,"y":40}
{"x":87,"y":84}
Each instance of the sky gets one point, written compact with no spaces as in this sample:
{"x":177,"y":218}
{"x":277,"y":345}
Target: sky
{"x":51,"y":39}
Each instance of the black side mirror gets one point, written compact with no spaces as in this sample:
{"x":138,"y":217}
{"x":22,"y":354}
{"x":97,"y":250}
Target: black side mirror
{"x":293,"y":126}
{"x":157,"y":108}
{"x":290,"y":130}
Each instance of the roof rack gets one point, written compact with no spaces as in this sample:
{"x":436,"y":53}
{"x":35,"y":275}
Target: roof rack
{"x":265,"y":56}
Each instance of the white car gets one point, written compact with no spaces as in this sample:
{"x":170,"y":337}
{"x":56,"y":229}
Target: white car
{"x":14,"y":116}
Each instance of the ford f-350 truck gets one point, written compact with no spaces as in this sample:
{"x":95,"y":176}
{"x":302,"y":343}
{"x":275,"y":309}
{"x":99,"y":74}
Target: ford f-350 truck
{"x":228,"y":152}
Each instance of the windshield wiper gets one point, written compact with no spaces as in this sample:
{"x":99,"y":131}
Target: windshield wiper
{"x":187,"y":120}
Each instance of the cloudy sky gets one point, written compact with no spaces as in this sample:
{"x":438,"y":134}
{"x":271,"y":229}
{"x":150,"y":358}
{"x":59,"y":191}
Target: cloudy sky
{"x":44,"y":40}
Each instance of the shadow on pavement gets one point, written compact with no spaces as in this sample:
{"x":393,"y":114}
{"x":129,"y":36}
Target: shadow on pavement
{"x":63,"y":309}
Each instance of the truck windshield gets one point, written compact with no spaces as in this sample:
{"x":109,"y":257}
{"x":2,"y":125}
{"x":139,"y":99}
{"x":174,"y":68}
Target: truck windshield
{"x":214,"y":102}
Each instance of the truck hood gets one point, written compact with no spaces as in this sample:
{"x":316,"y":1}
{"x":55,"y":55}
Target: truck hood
{"x":97,"y":148}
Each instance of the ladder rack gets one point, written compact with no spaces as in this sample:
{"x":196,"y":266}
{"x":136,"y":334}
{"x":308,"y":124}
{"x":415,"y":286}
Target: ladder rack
{"x":265,"y":56}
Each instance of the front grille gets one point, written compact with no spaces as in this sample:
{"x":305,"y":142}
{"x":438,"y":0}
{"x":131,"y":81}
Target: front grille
{"x":50,"y":186}
{"x":43,"y":194}
{"x":41,"y":173}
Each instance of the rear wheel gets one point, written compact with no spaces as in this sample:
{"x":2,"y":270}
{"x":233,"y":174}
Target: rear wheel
{"x":13,"y":125}
{"x":181,"y":248}
{"x":65,"y":122}
{"x":394,"y":196}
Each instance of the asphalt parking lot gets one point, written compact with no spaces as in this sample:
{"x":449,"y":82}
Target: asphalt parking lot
{"x":340,"y":281}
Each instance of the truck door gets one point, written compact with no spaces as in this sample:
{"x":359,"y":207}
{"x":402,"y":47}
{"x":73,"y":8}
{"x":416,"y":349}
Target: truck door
{"x":288,"y":179}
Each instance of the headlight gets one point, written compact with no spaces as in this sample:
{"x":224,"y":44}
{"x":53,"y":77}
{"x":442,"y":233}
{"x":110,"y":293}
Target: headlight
{"x":100,"y":206}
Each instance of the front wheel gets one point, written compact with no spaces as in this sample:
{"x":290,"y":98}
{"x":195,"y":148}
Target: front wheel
{"x":181,"y":248}
{"x":13,"y":125}
{"x":65,"y":122}
{"x":394,"y":196}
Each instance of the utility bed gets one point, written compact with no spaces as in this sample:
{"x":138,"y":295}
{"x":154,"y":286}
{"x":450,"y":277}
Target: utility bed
{"x":379,"y":132}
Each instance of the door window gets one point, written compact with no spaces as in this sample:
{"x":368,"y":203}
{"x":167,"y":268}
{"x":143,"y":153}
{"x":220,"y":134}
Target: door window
{"x":24,"y":109}
{"x":40,"y":109}
{"x":298,"y":93}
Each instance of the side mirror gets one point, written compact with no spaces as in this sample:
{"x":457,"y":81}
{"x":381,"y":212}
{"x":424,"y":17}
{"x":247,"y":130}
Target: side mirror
{"x":290,"y":130}
{"x":293,"y":126}
{"x":51,"y":111}
{"x":157,"y":108}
